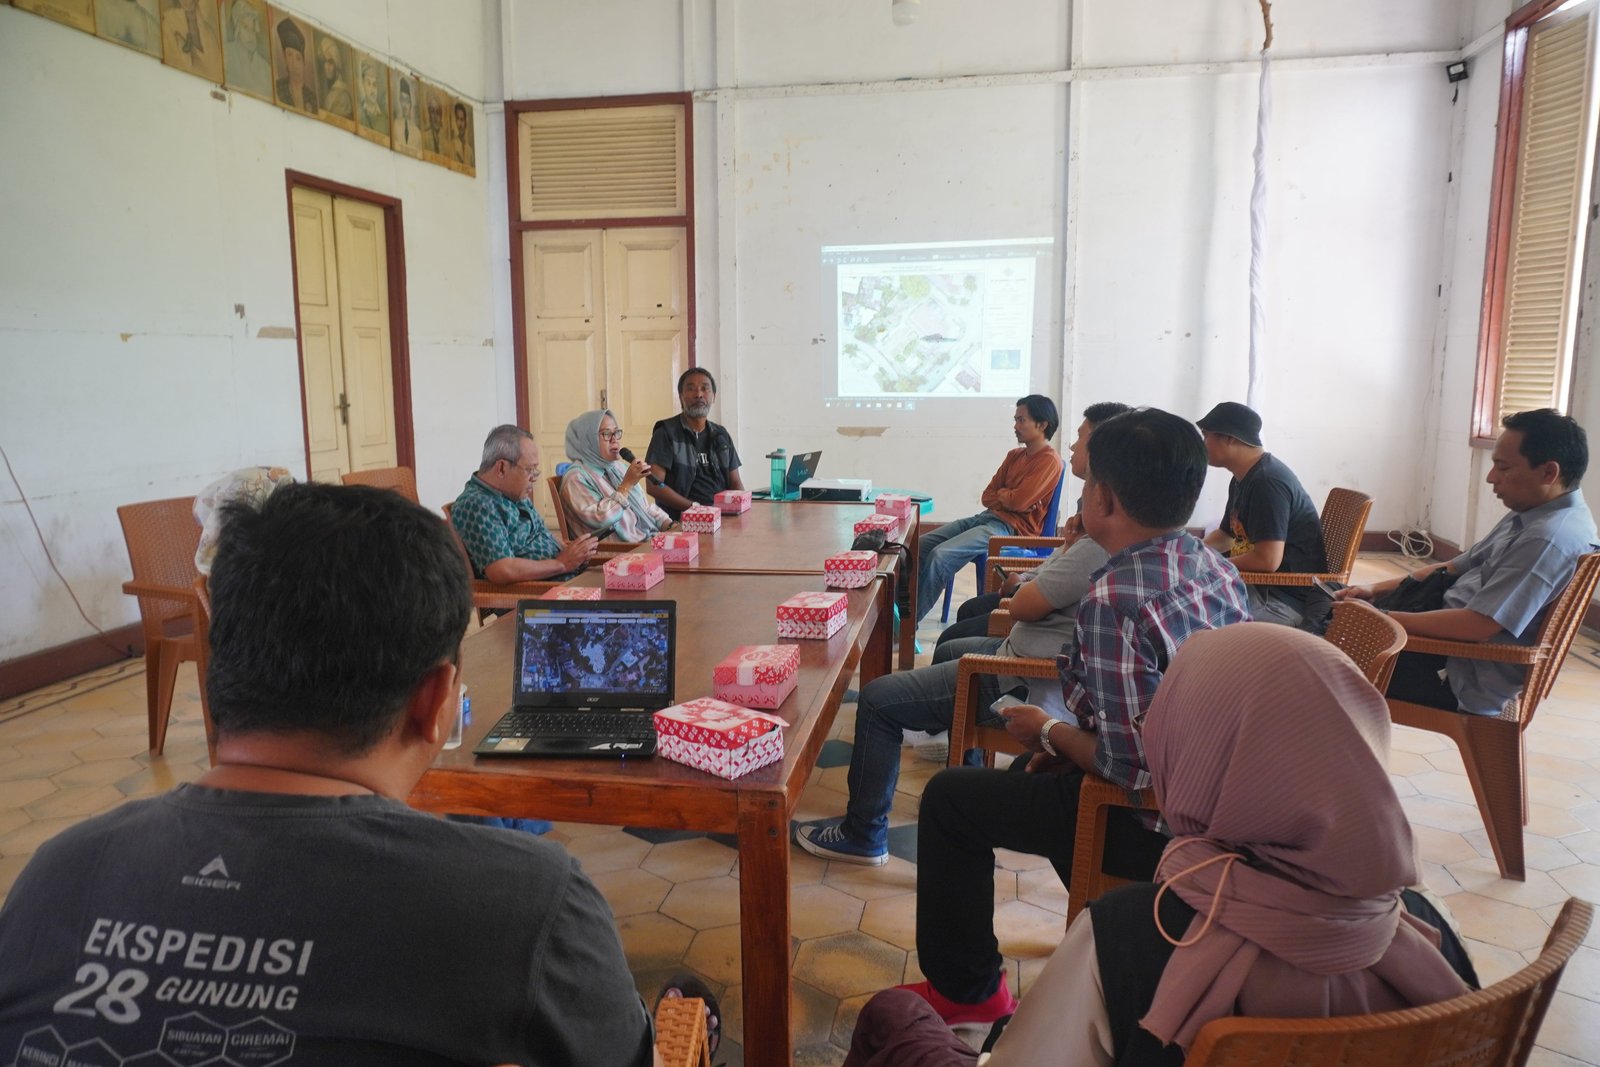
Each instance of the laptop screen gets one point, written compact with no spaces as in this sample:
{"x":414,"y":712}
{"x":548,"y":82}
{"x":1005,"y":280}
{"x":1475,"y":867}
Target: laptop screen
{"x":578,"y":654}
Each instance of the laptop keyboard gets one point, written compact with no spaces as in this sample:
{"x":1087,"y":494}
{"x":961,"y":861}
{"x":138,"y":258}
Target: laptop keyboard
{"x":627,"y":726}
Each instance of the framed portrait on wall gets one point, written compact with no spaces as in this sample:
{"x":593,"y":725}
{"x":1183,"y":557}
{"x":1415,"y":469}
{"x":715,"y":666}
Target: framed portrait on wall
{"x":79,"y":14}
{"x":435,"y":124}
{"x":191,"y":38}
{"x":405,"y":113}
{"x":335,"y":78}
{"x":135,"y":23}
{"x":293,"y":80}
{"x":463,"y":153}
{"x":372,"y":98}
{"x":246,"y":56}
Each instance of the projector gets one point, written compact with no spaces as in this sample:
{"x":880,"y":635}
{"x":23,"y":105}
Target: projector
{"x":835,"y":488}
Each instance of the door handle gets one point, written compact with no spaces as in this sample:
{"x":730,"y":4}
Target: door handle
{"x":344,"y":410}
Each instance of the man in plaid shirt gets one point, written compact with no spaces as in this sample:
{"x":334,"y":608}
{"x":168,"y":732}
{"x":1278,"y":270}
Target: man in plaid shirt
{"x":1159,"y":586}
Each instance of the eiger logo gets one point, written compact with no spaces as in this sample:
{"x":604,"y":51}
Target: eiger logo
{"x":213,"y":875}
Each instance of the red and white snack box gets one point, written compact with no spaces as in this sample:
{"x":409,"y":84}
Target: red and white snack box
{"x":677,"y":547}
{"x":733,"y":501}
{"x":899,"y":505}
{"x":721,"y":738}
{"x":849,"y":570}
{"x":757,"y":676}
{"x":879,"y":521}
{"x":817,"y":615}
{"x":636,"y":570}
{"x":571,"y":592}
{"x":701,"y":519}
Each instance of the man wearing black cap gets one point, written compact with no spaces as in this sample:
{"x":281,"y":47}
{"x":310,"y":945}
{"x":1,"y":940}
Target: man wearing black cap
{"x":294,"y":88}
{"x":1270,"y":523}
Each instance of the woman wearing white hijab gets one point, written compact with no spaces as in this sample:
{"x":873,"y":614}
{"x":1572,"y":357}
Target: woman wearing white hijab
{"x":1280,"y":894}
{"x":603,"y":492}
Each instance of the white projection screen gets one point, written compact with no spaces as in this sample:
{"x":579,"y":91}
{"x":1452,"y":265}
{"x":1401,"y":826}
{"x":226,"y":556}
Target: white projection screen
{"x":922,"y":320}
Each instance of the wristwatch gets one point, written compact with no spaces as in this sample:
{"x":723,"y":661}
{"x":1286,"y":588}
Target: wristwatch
{"x":1044,"y":736}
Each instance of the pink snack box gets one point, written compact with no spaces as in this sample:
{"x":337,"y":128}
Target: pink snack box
{"x":899,"y":505}
{"x":814,"y":615}
{"x":850,"y":570}
{"x":571,"y":592}
{"x":717,"y":737}
{"x":757,"y":676}
{"x":636,"y":570}
{"x":733,"y":501}
{"x":879,"y":521}
{"x":677,"y":547}
{"x":701,"y":519}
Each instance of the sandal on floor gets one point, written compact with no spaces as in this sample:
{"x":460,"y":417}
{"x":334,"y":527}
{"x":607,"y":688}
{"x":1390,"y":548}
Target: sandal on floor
{"x":687,"y":985}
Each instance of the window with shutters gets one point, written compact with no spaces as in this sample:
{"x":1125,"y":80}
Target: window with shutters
{"x":1544,"y":157}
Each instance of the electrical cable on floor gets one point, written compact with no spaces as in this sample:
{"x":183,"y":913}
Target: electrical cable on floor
{"x":121,"y":650}
{"x":1413,"y":544}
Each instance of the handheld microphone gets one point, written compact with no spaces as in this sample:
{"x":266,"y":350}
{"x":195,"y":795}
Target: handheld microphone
{"x":627,"y":454}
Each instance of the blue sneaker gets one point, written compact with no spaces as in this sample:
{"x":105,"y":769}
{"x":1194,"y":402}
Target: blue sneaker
{"x":828,"y":840}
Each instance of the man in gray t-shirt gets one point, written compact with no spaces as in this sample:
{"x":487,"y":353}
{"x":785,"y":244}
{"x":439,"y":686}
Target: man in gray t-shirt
{"x":289,"y":908}
{"x":1045,"y":610}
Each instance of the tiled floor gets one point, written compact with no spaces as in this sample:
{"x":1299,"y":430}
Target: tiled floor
{"x":78,"y":748}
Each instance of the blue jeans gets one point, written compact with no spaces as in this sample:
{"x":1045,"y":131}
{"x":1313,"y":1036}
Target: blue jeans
{"x":923,"y":699}
{"x":949,"y":548}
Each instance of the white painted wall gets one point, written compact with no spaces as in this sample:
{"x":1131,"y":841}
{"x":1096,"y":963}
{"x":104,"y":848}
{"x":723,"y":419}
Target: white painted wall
{"x":144,"y":211}
{"x":1156,"y":166}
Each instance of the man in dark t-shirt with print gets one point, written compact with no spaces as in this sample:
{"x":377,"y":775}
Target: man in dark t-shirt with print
{"x":288,"y":907}
{"x":692,"y":458}
{"x":1270,"y":524}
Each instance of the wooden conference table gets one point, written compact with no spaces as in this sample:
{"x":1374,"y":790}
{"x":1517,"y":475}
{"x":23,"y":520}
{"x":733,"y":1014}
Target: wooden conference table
{"x":721,"y":605}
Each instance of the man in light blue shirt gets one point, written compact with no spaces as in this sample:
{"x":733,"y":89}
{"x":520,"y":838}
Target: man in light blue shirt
{"x":1505,"y":582}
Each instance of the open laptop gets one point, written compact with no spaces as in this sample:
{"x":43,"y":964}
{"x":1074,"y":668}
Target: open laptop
{"x":802,"y":468}
{"x":586,"y":677}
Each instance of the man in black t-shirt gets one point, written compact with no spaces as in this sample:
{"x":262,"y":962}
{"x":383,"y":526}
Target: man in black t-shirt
{"x":289,"y":908}
{"x":692,"y":457}
{"x":1270,"y":524}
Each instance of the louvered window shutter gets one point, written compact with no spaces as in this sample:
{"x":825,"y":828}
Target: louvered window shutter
{"x":1541,"y":274}
{"x":602,"y":163}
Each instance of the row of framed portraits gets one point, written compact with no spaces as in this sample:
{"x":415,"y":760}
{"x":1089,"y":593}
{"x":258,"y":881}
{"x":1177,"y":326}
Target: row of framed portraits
{"x":275,"y":56}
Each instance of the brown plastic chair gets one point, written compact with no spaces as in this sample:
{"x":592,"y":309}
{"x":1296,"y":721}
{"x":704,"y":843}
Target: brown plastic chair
{"x":1494,"y":1027}
{"x":563,"y":519}
{"x":1013,"y":564}
{"x":162,"y":536}
{"x":1344,"y":520}
{"x":202,"y":659}
{"x":400,"y":479}
{"x":681,"y":1039}
{"x":1370,"y":638}
{"x":1491,"y":745}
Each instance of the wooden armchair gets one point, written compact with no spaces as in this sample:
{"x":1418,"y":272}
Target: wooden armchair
{"x":1490,"y":1028}
{"x":569,"y":530}
{"x":400,"y":479}
{"x":162,"y":536}
{"x":1491,"y":745}
{"x":202,"y":659}
{"x":1344,"y":520}
{"x":1370,"y":638}
{"x":681,"y":1032}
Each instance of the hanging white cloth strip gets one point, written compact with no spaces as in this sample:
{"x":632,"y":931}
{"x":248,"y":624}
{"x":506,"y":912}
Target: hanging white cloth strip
{"x":1258,"y":237}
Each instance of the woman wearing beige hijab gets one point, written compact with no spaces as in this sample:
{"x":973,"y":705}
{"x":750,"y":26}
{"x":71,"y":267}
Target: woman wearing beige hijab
{"x":1279,"y":894}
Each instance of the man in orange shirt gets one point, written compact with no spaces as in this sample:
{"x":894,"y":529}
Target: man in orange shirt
{"x":1015,"y":502}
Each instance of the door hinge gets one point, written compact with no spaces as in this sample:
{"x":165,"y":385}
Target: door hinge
{"x":603,"y":402}
{"x":344,"y":410}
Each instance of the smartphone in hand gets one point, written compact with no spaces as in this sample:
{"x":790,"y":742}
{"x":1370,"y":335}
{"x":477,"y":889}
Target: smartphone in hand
{"x":1325,"y":587}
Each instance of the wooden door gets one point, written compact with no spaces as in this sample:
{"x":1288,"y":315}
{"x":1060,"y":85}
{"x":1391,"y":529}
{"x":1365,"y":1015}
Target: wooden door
{"x":565,"y":293}
{"x":364,"y":320}
{"x":321,"y":355}
{"x":646,"y":337}
{"x":341,"y":268}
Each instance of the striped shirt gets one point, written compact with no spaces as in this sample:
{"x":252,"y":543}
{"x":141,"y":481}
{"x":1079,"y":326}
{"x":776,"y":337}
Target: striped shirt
{"x":1140,"y":607}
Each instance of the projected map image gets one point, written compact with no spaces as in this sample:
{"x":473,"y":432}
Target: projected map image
{"x":948,"y":327}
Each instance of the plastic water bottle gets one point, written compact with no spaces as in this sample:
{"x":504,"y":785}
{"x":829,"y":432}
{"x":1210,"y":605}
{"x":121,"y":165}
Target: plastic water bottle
{"x":780,"y":472}
{"x":463,"y":710}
